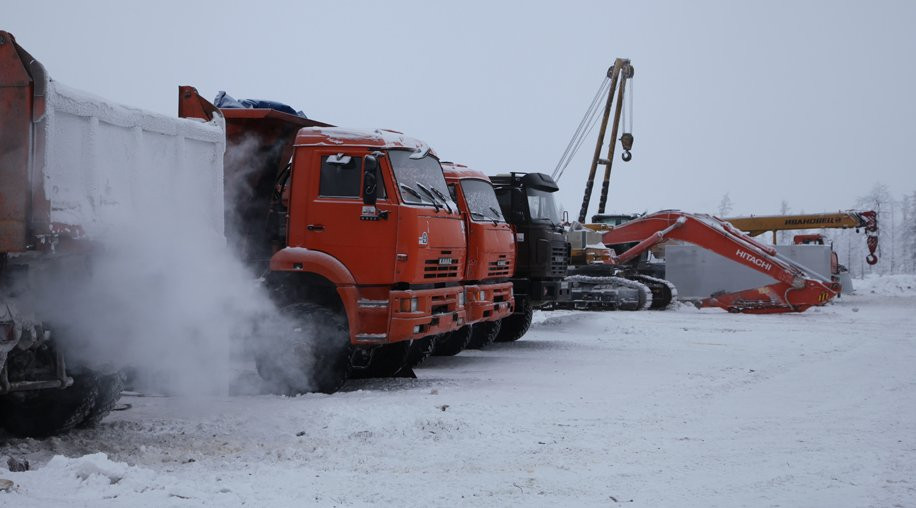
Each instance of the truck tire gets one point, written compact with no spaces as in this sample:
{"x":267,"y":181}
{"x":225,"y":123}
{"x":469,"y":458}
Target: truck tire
{"x":109,"y":392}
{"x":484,"y":334}
{"x":312,"y":355}
{"x":387,"y":361}
{"x":515,"y":325}
{"x":420,"y":350}
{"x":452,"y":343}
{"x":49,"y":412}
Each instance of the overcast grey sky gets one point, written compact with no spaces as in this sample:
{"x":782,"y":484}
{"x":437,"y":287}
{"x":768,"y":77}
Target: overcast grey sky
{"x":811,"y":102}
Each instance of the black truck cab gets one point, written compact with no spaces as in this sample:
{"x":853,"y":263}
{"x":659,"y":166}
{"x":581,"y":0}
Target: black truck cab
{"x":527,"y":202}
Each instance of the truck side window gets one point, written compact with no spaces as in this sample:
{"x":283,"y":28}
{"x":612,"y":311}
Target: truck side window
{"x":340,"y":176}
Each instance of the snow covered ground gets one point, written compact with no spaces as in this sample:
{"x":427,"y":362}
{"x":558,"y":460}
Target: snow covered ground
{"x":678,"y":408}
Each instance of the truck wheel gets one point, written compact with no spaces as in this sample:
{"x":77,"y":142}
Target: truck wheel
{"x":484,"y":334}
{"x":109,"y":392}
{"x":52,"y":411}
{"x":386,"y":361}
{"x":453,"y":342}
{"x":311,"y":353}
{"x":515,"y":325}
{"x":420,"y":350}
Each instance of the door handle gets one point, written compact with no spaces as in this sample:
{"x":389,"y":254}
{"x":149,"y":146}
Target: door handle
{"x":315,"y":227}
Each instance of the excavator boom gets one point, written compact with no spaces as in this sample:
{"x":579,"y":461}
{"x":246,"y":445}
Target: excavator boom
{"x":795,"y":290}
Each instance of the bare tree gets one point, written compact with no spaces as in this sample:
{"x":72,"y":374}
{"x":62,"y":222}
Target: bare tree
{"x":908,"y":236}
{"x":784,"y":209}
{"x":725,"y":206}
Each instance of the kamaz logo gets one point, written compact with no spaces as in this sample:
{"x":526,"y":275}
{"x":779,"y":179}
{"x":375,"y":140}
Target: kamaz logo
{"x":753,"y":259}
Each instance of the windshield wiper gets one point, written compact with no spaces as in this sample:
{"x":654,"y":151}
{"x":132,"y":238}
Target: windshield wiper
{"x":412,"y":191}
{"x":497,"y":213}
{"x":444,"y":199}
{"x":485,"y":216}
{"x":430,"y":194}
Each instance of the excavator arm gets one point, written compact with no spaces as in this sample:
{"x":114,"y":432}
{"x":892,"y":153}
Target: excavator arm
{"x":795,"y":290}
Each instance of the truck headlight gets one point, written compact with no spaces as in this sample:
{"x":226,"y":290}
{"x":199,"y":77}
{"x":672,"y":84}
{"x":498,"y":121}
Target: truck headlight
{"x":410,"y":304}
{"x":461,"y":299}
{"x":482,"y":296}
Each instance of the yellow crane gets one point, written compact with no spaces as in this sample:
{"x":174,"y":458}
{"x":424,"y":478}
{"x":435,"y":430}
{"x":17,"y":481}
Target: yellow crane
{"x":865,"y":219}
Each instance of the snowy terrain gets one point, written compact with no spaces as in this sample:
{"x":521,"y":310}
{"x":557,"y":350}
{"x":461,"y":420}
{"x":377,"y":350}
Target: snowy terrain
{"x":677,"y":408}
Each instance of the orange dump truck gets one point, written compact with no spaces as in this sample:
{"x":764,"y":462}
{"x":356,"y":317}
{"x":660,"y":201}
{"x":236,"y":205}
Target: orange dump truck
{"x":357,"y":236}
{"x":491,"y":260}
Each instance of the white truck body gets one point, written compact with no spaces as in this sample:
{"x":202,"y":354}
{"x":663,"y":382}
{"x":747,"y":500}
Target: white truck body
{"x":100,"y":163}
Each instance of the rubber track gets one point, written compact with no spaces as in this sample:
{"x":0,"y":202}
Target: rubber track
{"x":644,"y":290}
{"x":672,"y":289}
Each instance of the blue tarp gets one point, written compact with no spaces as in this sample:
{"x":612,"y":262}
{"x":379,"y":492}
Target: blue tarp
{"x":224,"y":100}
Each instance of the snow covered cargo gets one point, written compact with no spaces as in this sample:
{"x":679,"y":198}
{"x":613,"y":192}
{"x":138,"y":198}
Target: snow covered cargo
{"x":72,"y":164}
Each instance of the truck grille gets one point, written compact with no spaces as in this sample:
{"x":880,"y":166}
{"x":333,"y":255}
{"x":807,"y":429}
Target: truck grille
{"x":559,"y":261}
{"x":502,"y":267}
{"x":443,"y":267}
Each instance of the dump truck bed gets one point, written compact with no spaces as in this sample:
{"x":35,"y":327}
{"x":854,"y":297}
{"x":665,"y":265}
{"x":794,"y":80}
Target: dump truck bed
{"x":74,"y":163}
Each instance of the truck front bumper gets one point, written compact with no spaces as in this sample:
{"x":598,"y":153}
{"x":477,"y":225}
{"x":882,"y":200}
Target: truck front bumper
{"x":406,"y":315}
{"x":489,"y":302}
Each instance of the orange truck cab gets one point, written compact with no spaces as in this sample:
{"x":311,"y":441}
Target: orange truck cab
{"x":491,"y":259}
{"x":355,"y":233}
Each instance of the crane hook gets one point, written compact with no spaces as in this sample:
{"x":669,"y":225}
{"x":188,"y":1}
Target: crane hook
{"x":626,"y":141}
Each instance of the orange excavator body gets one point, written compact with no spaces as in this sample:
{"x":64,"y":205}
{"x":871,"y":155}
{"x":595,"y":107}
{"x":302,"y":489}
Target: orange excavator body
{"x":795,"y":289}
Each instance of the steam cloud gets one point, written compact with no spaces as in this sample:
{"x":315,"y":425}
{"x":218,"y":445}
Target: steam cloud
{"x":161,"y":294}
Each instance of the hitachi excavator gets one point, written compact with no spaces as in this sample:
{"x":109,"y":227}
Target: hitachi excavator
{"x":794,"y":289}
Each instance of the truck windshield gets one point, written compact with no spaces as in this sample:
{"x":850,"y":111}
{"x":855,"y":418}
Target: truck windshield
{"x":542,"y":206}
{"x":420,"y":181}
{"x":482,"y":204}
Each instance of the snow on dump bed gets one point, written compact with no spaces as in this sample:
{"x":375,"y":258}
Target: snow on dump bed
{"x":888,"y":285}
{"x":103,"y":161}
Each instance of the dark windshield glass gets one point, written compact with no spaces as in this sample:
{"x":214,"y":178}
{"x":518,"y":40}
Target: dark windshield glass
{"x":482,"y":204}
{"x":542,"y":206}
{"x":420,"y":181}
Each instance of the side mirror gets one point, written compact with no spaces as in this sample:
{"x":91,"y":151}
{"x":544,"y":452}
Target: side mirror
{"x":370,"y":180}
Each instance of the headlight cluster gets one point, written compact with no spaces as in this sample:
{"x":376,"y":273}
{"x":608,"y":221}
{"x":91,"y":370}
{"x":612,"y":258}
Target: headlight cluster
{"x":410,"y":305}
